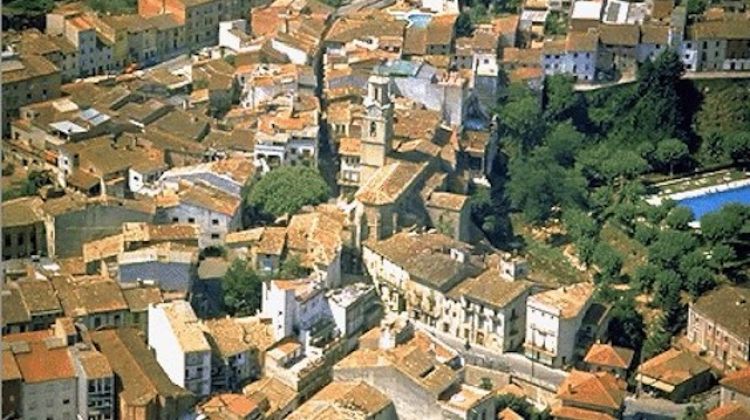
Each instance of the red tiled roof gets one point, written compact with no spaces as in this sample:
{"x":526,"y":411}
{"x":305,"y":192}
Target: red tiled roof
{"x":732,"y":411}
{"x":738,"y":381}
{"x":608,"y":355}
{"x":43,"y":362}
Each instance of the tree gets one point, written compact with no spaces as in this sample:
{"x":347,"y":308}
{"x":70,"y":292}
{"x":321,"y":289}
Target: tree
{"x":645,"y":234}
{"x":669,"y":247}
{"x":564,"y":142}
{"x":561,"y":102}
{"x":538,"y":183}
{"x":242,"y":289}
{"x":699,"y":281}
{"x":586,"y":246}
{"x":486,"y":383}
{"x":644,"y":277}
{"x":608,"y":260}
{"x":657,"y":338}
{"x":287,"y":189}
{"x":489,"y":211}
{"x":667,"y":297}
{"x":679,"y":218}
{"x":464,"y":26}
{"x":737,"y":145}
{"x":520,"y":117}
{"x":626,"y":327}
{"x":724,"y":224}
{"x":655,"y":214}
{"x":721,"y":255}
{"x":671,"y":152}
{"x":579,"y":224}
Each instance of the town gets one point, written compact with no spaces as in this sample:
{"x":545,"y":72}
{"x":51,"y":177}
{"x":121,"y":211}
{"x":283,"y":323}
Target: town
{"x":376,"y":209}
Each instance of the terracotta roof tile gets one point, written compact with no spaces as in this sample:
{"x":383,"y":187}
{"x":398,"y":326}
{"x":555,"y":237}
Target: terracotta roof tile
{"x":609,"y":355}
{"x":44,"y":361}
{"x":731,"y":411}
{"x":673,"y":367}
{"x":738,"y":381}
{"x":592,"y":390}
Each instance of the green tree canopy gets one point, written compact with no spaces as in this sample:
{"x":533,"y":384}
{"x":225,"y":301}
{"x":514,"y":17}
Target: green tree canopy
{"x":242,"y":289}
{"x":287,"y":189}
{"x":626,"y":327}
{"x":671,"y":152}
{"x":679,"y":218}
{"x":464,"y":26}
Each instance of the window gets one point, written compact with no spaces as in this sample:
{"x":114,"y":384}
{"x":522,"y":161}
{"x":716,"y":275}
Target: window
{"x":191,"y":219}
{"x":66,"y":401}
{"x":215,"y":236}
{"x":7,"y":240}
{"x":175,"y":219}
{"x":215,"y":222}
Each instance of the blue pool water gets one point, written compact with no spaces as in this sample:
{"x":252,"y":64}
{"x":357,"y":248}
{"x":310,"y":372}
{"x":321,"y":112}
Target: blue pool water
{"x":419,"y":20}
{"x":714,"y":201}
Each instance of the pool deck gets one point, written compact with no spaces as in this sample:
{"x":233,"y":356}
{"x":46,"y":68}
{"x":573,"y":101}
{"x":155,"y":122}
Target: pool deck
{"x":656,"y":200}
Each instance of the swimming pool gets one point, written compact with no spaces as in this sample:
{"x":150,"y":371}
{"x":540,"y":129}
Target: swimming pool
{"x":710,"y":202}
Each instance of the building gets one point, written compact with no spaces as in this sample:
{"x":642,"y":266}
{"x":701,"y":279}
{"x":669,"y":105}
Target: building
{"x":232,"y":406}
{"x":290,"y":134}
{"x":295,"y":306}
{"x":56,"y":49}
{"x":281,"y":399}
{"x":414,"y":272}
{"x":411,"y":376}
{"x":488,"y":310}
{"x":717,"y":324}
{"x":355,"y":308}
{"x":49,"y":384}
{"x":200,"y":18}
{"x":728,"y":412}
{"x":553,"y":321}
{"x":717,"y":45}
{"x":96,"y":384}
{"x":144,"y":391}
{"x":29,"y":304}
{"x":675,"y":374}
{"x":27,"y":230}
{"x":11,"y":385}
{"x":608,"y":358}
{"x":171,"y":267}
{"x":576,"y":55}
{"x":94,"y":50}
{"x":26,"y":79}
{"x":238,"y":346}
{"x":617,"y":54}
{"x":735,"y":388}
{"x":346,"y":400}
{"x":213,"y":210}
{"x":587,"y":395}
{"x":93,"y":301}
{"x":180,"y":346}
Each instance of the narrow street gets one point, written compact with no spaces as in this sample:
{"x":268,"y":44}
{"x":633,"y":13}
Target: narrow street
{"x":513,"y":363}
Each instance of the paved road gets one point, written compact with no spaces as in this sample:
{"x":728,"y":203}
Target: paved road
{"x":514,"y":363}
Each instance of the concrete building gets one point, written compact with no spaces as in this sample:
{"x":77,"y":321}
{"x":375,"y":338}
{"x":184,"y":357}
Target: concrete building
{"x":171,"y":267}
{"x":49,"y":385}
{"x":735,"y":388}
{"x":94,"y":50}
{"x":553,"y":321}
{"x":238,"y":347}
{"x":346,"y":400}
{"x":409,"y":374}
{"x":29,"y":304}
{"x":717,"y":323}
{"x":94,"y":301}
{"x":413,"y":273}
{"x":489,"y":310}
{"x":576,"y":55}
{"x":675,"y":374}
{"x":608,"y":358}
{"x":144,"y":391}
{"x":26,"y":79}
{"x":295,"y":306}
{"x":587,"y":395}
{"x":290,"y":135}
{"x":235,"y":36}
{"x":717,"y":45}
{"x":27,"y":230}
{"x":57,"y":49}
{"x":96,"y":383}
{"x":214,"y":211}
{"x":180,"y":346}
{"x":355,"y":308}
